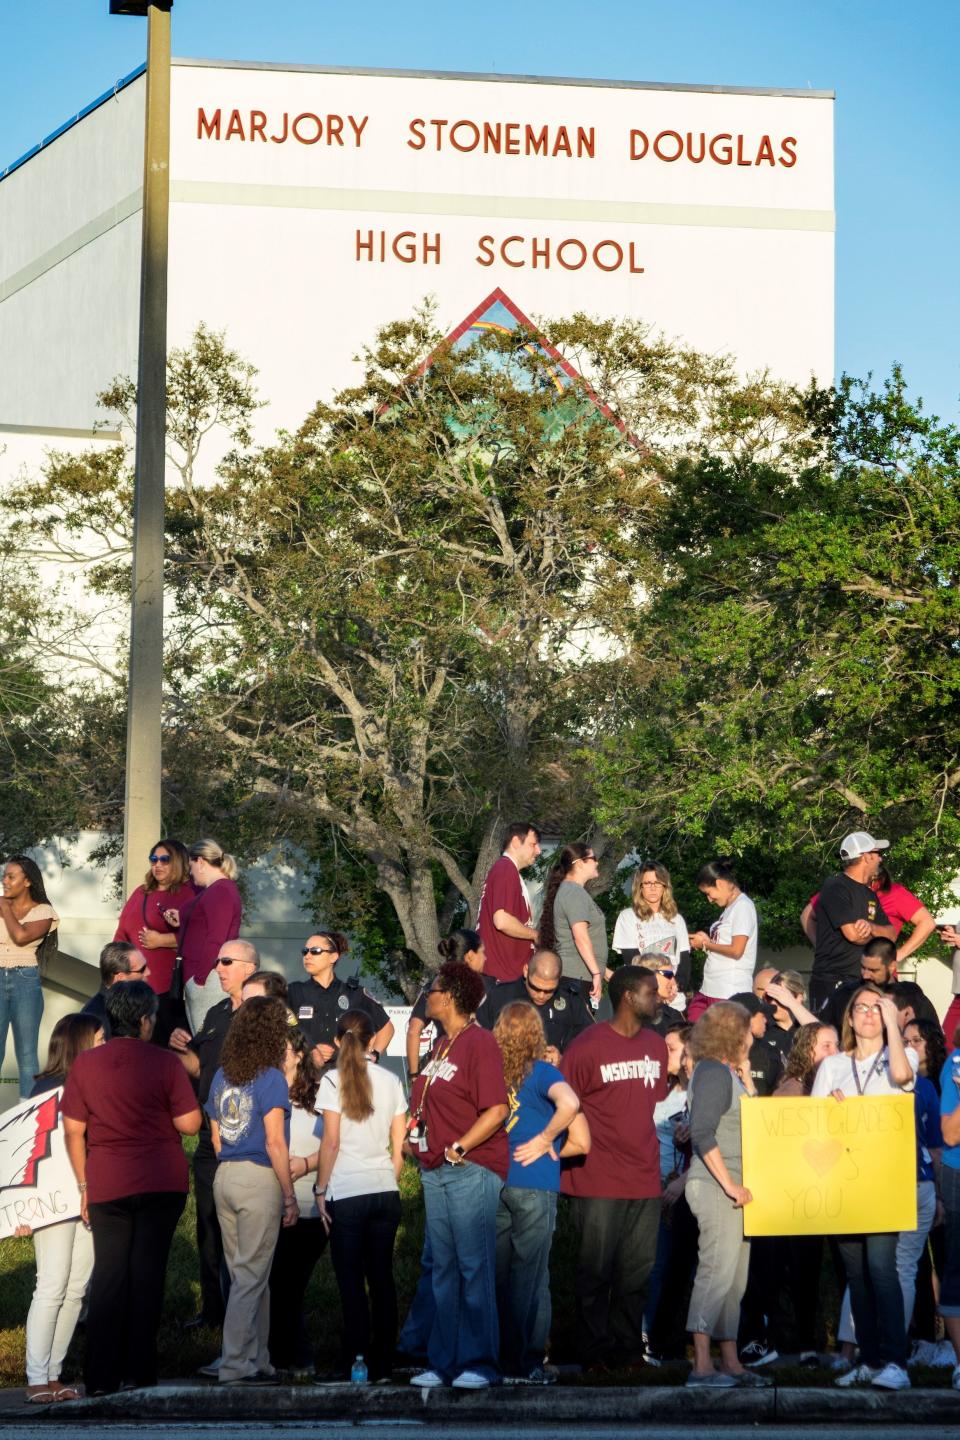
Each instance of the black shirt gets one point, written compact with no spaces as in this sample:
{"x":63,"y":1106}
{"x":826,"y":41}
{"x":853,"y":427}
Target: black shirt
{"x":781,"y":1040}
{"x":565,"y":1015}
{"x":45,"y":1083}
{"x":842,"y":901}
{"x":207,"y":1044}
{"x":666,"y":1018}
{"x":97,"y":1007}
{"x":318,"y":1009}
{"x":765,"y":1067}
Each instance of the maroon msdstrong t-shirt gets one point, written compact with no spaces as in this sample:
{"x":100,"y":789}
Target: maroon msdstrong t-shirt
{"x":465,"y":1078}
{"x":619,"y":1081}
{"x":502,"y":890}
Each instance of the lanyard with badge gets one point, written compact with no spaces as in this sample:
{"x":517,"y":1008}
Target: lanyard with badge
{"x":875,"y":1069}
{"x":417,"y":1124}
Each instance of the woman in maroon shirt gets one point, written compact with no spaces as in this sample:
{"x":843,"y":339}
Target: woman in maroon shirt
{"x":458,"y":1105}
{"x":125,"y":1106}
{"x":205,"y":924}
{"x":142,"y":923}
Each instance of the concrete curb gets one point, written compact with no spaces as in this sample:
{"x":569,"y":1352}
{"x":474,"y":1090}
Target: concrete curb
{"x":509,"y":1405}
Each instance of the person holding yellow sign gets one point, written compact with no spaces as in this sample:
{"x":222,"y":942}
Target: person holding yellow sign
{"x":720,"y":1045}
{"x":867,"y":1065}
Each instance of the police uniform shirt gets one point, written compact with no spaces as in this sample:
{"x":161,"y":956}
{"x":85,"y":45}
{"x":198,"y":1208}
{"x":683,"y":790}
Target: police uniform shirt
{"x":765,"y":1067}
{"x":564,"y":1015}
{"x":317,"y":1010}
{"x":207,"y":1044}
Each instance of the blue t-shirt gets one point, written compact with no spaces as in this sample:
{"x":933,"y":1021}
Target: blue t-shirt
{"x":927,"y":1106}
{"x":531,"y":1111}
{"x":949,"y":1100}
{"x":239,"y":1111}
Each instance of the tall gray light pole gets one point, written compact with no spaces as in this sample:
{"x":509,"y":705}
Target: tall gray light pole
{"x":141,"y":813}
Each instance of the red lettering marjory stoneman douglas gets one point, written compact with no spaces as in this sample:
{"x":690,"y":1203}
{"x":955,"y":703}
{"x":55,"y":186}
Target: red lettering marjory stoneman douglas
{"x":305,"y":127}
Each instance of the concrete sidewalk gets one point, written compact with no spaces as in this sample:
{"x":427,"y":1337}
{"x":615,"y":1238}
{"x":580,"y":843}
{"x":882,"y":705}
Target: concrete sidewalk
{"x":501,"y":1405}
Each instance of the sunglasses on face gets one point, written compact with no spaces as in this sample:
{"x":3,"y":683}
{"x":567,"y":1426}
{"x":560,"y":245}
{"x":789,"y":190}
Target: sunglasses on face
{"x":316,"y":950}
{"x":159,"y":859}
{"x":225,"y":960}
{"x":542,"y":989}
{"x":141,"y":971}
{"x":668,"y":974}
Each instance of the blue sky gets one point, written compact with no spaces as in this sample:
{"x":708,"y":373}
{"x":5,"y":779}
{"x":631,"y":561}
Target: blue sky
{"x":892,"y":66}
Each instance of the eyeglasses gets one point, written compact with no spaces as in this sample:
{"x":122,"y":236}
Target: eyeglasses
{"x":317,"y":950}
{"x":542,"y":989}
{"x":866,"y":1009}
{"x":651,"y":885}
{"x":160,"y":859}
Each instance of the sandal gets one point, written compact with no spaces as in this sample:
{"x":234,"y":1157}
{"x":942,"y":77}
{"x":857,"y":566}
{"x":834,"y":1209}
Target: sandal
{"x":69,"y":1392}
{"x":39,"y":1395}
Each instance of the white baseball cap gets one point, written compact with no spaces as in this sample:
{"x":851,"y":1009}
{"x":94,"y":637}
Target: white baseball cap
{"x":860,"y":843}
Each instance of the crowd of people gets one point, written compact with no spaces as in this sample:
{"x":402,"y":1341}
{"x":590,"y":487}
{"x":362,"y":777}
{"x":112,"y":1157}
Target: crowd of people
{"x":545,"y":1066}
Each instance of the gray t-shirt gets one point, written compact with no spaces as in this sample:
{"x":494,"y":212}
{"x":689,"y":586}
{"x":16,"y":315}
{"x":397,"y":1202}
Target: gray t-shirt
{"x":572,"y":903}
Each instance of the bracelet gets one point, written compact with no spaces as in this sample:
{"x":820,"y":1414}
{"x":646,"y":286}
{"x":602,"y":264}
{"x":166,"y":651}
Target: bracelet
{"x":289,"y":1199}
{"x":81,"y":1186}
{"x":318,"y":1192}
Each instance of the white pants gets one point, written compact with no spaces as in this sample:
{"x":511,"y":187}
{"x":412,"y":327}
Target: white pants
{"x":64,"y":1261}
{"x":910,"y":1245}
{"x":198,"y":999}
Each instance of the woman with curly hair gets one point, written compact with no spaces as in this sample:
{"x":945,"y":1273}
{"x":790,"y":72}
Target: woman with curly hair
{"x":249,"y":1110}
{"x":720,"y":1046}
{"x":544,"y":1124}
{"x":812,"y":1043}
{"x":458,"y":1104}
{"x":930,"y":1044}
{"x":652,"y":922}
{"x":463,"y":946}
{"x":299,"y":1246}
{"x":571,"y":921}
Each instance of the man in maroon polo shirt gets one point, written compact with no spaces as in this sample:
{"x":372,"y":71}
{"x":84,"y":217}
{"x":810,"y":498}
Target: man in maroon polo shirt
{"x":619,"y":1070}
{"x":505,"y":920}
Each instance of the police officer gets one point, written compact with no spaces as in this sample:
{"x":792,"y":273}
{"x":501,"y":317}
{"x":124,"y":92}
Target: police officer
{"x":319,"y":1001}
{"x":200,"y":1056}
{"x":559,"y":1001}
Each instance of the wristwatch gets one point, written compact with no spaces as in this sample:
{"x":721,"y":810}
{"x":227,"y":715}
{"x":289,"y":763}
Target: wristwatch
{"x":459,"y":1151}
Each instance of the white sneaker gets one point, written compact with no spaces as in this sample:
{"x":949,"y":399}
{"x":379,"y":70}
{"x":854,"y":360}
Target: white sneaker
{"x":955,"y":1378}
{"x":470,"y":1380}
{"x":892,"y":1377}
{"x":838,"y":1362}
{"x":923,"y":1353}
{"x":944,"y":1355}
{"x":859,"y":1375}
{"x":426,"y":1379}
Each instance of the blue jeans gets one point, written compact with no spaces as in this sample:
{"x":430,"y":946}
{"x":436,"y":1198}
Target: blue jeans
{"x":875,"y":1297}
{"x":461,"y":1204}
{"x":415,"y":1335}
{"x":525,"y":1223}
{"x":21,"y":1004}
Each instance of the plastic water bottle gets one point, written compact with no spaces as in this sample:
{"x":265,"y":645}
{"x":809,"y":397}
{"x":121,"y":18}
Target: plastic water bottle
{"x":358,"y":1375}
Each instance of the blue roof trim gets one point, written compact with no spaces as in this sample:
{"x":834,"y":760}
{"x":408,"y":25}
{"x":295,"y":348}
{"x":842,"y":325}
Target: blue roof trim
{"x":68,"y":124}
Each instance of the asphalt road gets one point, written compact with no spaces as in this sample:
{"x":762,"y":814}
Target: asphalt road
{"x":12,"y":1428}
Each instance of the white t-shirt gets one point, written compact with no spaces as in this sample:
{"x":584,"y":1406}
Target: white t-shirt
{"x":667,"y":937}
{"x":835,"y":1072}
{"x":363,"y":1165}
{"x":306,"y":1130}
{"x":723,"y":977}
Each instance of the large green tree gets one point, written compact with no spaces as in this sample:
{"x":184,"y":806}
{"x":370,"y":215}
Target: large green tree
{"x":796,"y":676}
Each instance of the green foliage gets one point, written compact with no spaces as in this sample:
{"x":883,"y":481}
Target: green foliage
{"x":797,"y":675}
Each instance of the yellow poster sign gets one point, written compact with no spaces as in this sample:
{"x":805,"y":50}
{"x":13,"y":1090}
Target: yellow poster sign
{"x":829,"y":1167}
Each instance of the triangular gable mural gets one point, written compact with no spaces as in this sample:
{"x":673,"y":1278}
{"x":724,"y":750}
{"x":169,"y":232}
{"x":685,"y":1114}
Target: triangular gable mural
{"x":499,"y":312}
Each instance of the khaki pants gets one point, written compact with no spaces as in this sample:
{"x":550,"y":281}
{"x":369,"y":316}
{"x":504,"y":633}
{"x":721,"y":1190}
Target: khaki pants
{"x":249,"y":1208}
